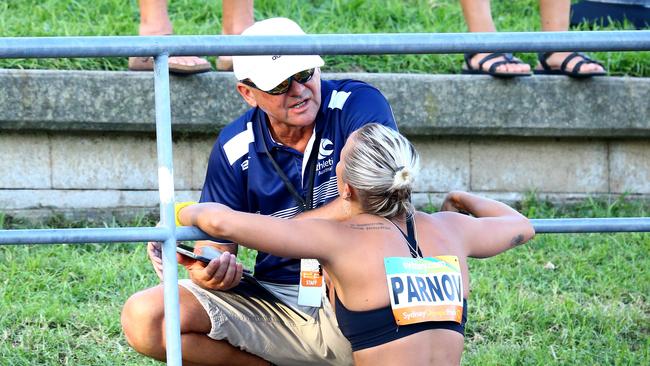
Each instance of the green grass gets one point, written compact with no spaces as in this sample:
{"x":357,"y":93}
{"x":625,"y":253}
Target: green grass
{"x":20,"y":18}
{"x":60,"y":304}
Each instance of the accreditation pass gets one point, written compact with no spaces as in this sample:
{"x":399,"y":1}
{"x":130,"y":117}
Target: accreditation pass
{"x":425,"y":289}
{"x":311,"y":286}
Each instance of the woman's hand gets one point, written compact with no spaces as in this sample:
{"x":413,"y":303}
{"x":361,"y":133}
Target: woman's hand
{"x":154,"y":251}
{"x":494,"y":228}
{"x":454,"y":202}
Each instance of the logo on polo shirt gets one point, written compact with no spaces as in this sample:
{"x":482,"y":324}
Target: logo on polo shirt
{"x":325,"y":150}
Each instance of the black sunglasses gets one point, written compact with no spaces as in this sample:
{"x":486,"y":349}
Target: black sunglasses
{"x":301,"y":77}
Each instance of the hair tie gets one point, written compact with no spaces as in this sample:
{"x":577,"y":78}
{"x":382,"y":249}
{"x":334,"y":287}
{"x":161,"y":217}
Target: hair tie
{"x":401,"y":177}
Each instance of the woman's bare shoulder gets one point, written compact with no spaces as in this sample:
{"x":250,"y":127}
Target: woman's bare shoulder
{"x":438,"y":218}
{"x":444,"y":223}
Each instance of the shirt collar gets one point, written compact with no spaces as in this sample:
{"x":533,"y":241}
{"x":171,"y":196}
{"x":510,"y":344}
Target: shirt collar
{"x":263,"y":139}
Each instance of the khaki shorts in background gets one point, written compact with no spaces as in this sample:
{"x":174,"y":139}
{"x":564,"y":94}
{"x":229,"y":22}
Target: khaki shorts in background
{"x":270,"y":324}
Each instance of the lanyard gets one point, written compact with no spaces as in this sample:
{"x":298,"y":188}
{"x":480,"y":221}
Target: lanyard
{"x":310,"y":170}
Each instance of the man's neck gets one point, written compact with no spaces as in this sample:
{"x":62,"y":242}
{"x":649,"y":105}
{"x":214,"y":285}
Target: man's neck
{"x":295,"y":137}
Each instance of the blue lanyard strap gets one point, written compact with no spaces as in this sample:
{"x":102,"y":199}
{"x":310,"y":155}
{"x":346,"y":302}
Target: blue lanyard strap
{"x":310,"y":169}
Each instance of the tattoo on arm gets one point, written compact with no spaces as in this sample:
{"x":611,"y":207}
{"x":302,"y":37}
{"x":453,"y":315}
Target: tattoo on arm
{"x":517,"y":240}
{"x":370,"y":226}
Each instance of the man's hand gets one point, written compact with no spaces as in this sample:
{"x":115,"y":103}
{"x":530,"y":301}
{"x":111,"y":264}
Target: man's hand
{"x":221,"y":273}
{"x":154,"y":251}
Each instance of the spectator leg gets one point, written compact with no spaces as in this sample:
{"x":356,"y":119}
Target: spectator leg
{"x":154,"y":21}
{"x":555,"y":16}
{"x":478,"y":16}
{"x":237,"y":16}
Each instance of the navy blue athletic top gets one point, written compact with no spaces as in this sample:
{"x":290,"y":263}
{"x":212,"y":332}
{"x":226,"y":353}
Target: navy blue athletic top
{"x":370,"y":328}
{"x":365,"y":329}
{"x":241,"y":176}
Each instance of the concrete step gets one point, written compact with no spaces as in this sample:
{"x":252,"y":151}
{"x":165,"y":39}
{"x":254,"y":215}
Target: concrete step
{"x":81,"y":142}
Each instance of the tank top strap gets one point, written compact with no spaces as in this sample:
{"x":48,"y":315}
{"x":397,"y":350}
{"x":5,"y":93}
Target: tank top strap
{"x":410,"y":237}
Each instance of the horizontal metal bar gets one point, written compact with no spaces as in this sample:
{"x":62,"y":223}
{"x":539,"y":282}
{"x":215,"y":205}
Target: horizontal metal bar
{"x":50,"y":236}
{"x":191,"y":233}
{"x":94,"y":235}
{"x":602,"y":225}
{"x":324,"y":44}
{"x":542,"y":226}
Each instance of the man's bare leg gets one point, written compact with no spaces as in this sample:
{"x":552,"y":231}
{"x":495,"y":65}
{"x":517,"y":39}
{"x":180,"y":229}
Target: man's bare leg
{"x":143,"y":323}
{"x":237,"y":16}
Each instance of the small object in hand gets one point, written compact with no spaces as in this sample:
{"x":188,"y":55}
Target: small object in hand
{"x":210,"y":252}
{"x":207,"y":253}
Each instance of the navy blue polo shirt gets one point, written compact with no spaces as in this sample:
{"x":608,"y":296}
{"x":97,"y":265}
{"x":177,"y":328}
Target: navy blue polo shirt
{"x":241,"y":176}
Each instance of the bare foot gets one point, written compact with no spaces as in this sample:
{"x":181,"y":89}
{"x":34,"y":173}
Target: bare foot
{"x":224,"y":63}
{"x":177,"y":64}
{"x":160,"y":26}
{"x":188,"y":61}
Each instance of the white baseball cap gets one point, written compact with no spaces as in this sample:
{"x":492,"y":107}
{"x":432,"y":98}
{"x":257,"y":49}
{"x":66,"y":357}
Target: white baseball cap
{"x":268,"y":71}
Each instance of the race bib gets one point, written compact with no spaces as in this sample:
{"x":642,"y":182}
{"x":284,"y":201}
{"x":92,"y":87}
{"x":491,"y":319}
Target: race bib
{"x":425,"y":289}
{"x":311,"y":286}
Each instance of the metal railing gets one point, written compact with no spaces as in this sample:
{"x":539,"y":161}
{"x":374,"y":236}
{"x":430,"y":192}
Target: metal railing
{"x":163,"y":47}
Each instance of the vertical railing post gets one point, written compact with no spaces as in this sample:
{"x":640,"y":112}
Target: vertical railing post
{"x":166,"y":191}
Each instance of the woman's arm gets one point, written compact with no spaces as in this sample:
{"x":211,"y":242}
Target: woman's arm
{"x":308,"y":238}
{"x":494,"y":228}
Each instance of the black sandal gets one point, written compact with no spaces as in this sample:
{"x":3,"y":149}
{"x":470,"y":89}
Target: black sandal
{"x":508,"y":59}
{"x":575,"y":71}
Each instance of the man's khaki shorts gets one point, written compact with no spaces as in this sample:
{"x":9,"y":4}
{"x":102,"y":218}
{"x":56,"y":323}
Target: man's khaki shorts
{"x":266,"y":321}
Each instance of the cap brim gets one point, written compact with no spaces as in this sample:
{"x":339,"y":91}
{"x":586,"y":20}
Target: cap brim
{"x":280,"y":71}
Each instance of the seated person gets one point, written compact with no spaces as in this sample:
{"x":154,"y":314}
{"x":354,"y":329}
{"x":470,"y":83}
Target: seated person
{"x":394,"y":292}
{"x":278,"y":159}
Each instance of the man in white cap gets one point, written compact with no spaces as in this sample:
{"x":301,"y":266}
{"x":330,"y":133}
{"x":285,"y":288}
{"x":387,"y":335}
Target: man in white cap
{"x":277,"y":159}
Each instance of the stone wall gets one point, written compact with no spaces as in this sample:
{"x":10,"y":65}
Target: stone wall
{"x":83,"y":143}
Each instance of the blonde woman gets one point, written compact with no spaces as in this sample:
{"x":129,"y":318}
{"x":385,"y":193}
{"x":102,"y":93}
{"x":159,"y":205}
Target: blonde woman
{"x":400,"y":276}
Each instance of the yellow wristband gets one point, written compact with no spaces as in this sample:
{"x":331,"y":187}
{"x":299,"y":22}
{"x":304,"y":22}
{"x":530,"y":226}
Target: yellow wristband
{"x":179,"y":206}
